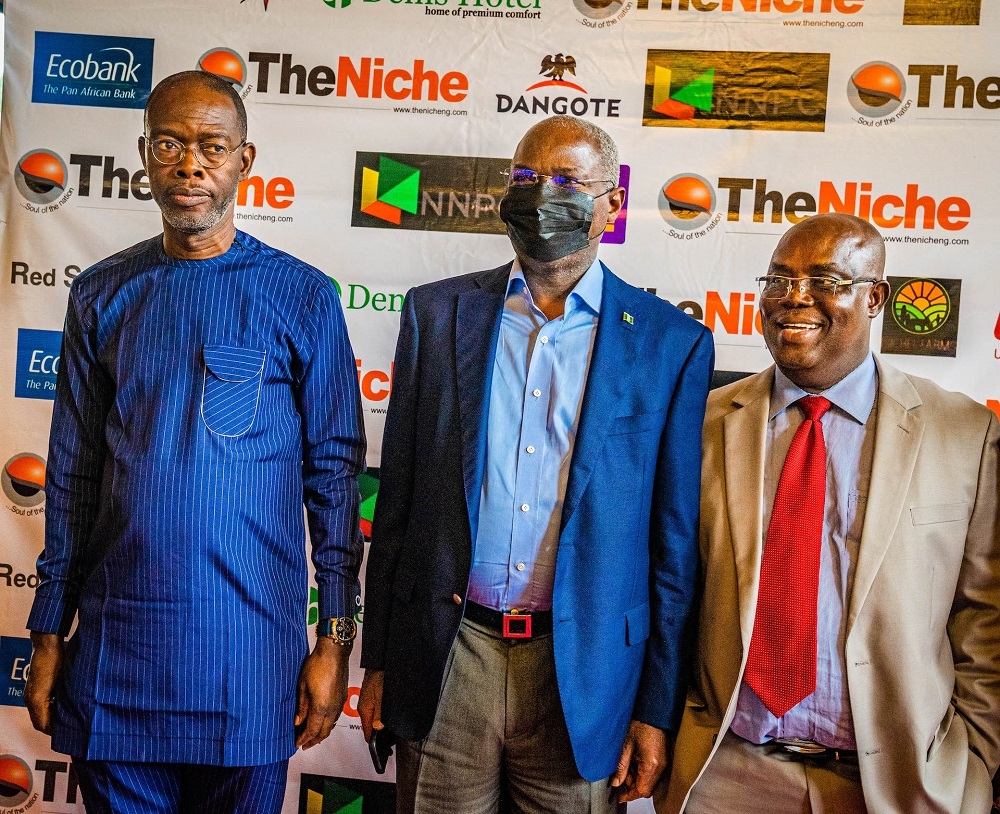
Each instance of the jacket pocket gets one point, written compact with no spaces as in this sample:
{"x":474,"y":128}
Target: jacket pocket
{"x":232,"y":388}
{"x":637,"y":625}
{"x":643,"y":422}
{"x":944,"y":513}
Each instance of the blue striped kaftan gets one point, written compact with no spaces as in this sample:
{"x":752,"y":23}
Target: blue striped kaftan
{"x":199,"y":404}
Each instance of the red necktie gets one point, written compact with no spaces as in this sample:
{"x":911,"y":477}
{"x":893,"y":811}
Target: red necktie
{"x":781,"y":666}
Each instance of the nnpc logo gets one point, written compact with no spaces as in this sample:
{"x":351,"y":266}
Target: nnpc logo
{"x":40,"y":176}
{"x":682,"y":103}
{"x":941,"y":12}
{"x":747,"y":90}
{"x":876,"y":89}
{"x":389,"y":191}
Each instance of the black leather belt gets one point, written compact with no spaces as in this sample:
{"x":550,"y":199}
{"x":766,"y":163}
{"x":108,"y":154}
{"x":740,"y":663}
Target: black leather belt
{"x":512,"y":624}
{"x":810,"y":752}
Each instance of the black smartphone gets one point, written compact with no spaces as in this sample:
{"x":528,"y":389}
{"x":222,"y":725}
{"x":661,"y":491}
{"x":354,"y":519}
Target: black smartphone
{"x":380,"y":748}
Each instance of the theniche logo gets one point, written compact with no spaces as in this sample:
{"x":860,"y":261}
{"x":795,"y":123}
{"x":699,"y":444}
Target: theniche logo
{"x":924,"y":319}
{"x":16,"y":782}
{"x":876,"y":89}
{"x":686,"y":202}
{"x":23,"y":479}
{"x":598,"y":9}
{"x":224,"y":63}
{"x":748,"y":90}
{"x":40,"y":176}
{"x":941,"y":12}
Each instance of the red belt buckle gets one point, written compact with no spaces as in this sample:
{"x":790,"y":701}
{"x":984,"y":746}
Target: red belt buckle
{"x":517,"y":625}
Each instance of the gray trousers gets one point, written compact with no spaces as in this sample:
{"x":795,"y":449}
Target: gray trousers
{"x":499,"y":730}
{"x":745,"y":779}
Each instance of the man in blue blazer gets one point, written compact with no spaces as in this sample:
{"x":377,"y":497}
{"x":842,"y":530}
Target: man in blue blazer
{"x":535,"y":542}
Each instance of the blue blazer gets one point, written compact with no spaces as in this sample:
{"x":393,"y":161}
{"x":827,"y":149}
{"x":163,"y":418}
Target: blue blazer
{"x":628,"y":550}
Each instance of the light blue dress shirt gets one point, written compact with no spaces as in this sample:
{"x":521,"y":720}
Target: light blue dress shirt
{"x":539,"y":376}
{"x":849,"y":433}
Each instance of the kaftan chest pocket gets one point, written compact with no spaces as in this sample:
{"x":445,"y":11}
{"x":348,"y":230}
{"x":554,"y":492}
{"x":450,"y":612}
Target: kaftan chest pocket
{"x":232,"y":388}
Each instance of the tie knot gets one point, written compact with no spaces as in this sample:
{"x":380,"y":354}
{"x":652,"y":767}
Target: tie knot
{"x":814,"y":407}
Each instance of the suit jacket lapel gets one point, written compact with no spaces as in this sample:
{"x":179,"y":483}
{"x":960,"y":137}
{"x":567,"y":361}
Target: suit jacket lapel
{"x":744,"y":432}
{"x":613,"y":357}
{"x":477,"y":325}
{"x":898,"y":430}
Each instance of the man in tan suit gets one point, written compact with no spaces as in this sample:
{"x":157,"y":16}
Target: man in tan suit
{"x":900,"y":713}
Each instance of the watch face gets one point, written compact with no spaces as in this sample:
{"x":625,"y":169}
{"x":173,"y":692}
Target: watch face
{"x":345,"y":629}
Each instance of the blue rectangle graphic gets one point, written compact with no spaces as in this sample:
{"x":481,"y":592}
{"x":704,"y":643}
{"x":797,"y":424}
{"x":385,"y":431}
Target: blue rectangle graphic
{"x":15,"y":659}
{"x":37,"y":363}
{"x":91,"y":70}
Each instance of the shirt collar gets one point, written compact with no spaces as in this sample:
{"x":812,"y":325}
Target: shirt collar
{"x":854,"y":394}
{"x":587,"y":291}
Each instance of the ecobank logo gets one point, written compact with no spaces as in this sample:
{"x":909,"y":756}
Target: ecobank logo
{"x":37,"y":363}
{"x":557,"y":93}
{"x":941,"y":12}
{"x":692,"y":206}
{"x":924,"y":317}
{"x":876,"y":90}
{"x":15,"y":664}
{"x":17,"y":786}
{"x":434,"y":193}
{"x":89,"y":70}
{"x":748,"y":90}
{"x":319,"y":794}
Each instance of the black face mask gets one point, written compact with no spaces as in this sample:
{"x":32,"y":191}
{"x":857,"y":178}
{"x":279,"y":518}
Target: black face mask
{"x":545,"y":222}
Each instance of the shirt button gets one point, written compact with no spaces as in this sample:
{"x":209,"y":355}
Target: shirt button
{"x":520,"y":566}
{"x":524,"y":507}
{"x":545,"y":339}
{"x":536,"y":393}
{"x":529,"y":449}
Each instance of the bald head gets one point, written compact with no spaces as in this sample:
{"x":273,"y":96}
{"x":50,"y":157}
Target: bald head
{"x":200,"y":80}
{"x":569,"y":129}
{"x":860,"y":242}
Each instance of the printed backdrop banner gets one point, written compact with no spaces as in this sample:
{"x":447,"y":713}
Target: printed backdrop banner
{"x":382,"y":129}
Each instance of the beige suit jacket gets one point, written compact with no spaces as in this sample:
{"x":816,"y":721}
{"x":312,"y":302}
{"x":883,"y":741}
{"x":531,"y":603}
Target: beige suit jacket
{"x":923,"y":627}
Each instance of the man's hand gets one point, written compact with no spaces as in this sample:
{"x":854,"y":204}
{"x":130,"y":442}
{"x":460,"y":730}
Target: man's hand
{"x":370,"y":702}
{"x":646,"y":753}
{"x":322,"y":691}
{"x":39,"y":691}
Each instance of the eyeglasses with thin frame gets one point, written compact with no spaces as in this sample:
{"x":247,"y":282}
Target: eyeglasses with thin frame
{"x":777,"y":286}
{"x":210,"y":154}
{"x":523,"y":177}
